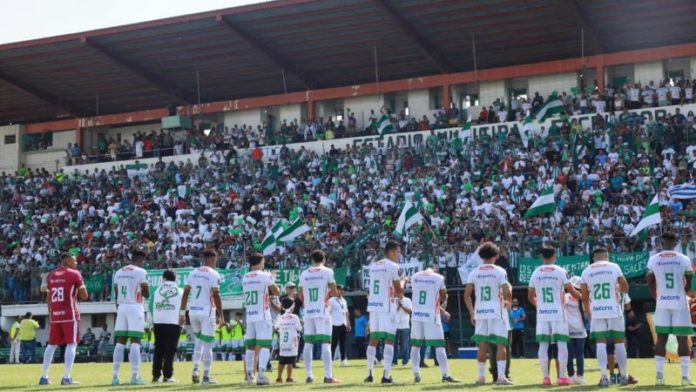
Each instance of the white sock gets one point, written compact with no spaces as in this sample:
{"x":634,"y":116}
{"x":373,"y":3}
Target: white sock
{"x":197,"y":354}
{"x":544,"y":358}
{"x":70,"y":352}
{"x":684,"y":363}
{"x":134,"y":357}
{"x":307,"y":358}
{"x":622,"y":358}
{"x":328,"y":361}
{"x":264,"y":356}
{"x":415,"y":360}
{"x":602,"y":358}
{"x":371,"y":354}
{"x":562,"y":359}
{"x":441,"y":356}
{"x":388,"y":356}
{"x":118,"y":358}
{"x":660,"y":365}
{"x":481,"y":369}
{"x":48,"y":358}
{"x":207,"y":357}
{"x":501,"y":369}
{"x":249,"y":361}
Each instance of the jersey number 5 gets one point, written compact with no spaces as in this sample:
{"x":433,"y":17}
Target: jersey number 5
{"x":669,"y":280}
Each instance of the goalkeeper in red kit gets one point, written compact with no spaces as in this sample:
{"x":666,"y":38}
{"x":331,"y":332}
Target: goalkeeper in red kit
{"x":65,"y":286}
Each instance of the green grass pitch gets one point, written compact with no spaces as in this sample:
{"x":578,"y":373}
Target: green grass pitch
{"x":524,"y":372}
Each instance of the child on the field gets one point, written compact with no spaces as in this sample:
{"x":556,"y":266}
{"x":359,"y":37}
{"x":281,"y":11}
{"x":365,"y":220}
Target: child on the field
{"x":288,"y":327}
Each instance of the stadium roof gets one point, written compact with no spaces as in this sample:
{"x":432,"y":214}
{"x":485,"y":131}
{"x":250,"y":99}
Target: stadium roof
{"x":250,"y":50}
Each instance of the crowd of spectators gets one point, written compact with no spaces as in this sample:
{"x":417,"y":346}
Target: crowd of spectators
{"x":602,"y":176}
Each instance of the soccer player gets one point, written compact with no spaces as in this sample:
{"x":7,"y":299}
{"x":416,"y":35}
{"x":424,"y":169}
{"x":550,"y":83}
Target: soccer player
{"x":669,"y":280}
{"x":131,"y":287}
{"x":317,"y":286}
{"x":429,"y":293}
{"x":546,"y":292}
{"x":259,"y":333}
{"x":601,"y":283}
{"x":289,"y":327}
{"x":65,"y":286}
{"x":202,"y":295}
{"x":493,"y":295}
{"x":383,"y":289}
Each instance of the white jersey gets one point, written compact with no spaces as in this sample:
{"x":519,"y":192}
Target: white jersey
{"x":128,"y":281}
{"x":549,"y":281}
{"x":202,"y":281}
{"x":256,"y":301}
{"x":314,"y":284}
{"x":602,"y":279}
{"x":426,"y":286}
{"x":288,"y":326}
{"x":167,"y":303}
{"x":669,"y":268}
{"x":380,"y":297}
{"x":488,"y":280}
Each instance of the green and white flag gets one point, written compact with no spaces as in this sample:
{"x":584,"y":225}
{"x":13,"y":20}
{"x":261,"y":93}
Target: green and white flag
{"x":651,"y":216}
{"x":542,"y":205}
{"x":278,"y":228}
{"x":409,"y":217}
{"x":136,"y":169}
{"x":268,"y":246}
{"x":465,"y":132}
{"x":384,"y":125}
{"x":553,"y":106}
{"x":296,"y":229}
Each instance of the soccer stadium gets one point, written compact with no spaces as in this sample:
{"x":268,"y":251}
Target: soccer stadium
{"x":352,"y":194}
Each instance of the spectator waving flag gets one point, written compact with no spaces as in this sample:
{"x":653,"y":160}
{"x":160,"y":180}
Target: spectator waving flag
{"x":409,"y":217}
{"x":465,"y":132}
{"x":296,"y":229}
{"x":651,"y":216}
{"x":384,"y":125}
{"x":136,"y":169}
{"x":553,"y":106}
{"x":683,"y":191}
{"x":543,"y":204}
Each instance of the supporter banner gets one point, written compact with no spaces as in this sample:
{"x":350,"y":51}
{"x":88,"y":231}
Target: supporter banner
{"x":409,"y":138}
{"x":94,"y":283}
{"x":632,"y":264}
{"x":405,"y":269}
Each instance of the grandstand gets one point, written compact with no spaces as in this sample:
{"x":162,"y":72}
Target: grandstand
{"x":205,"y":130}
